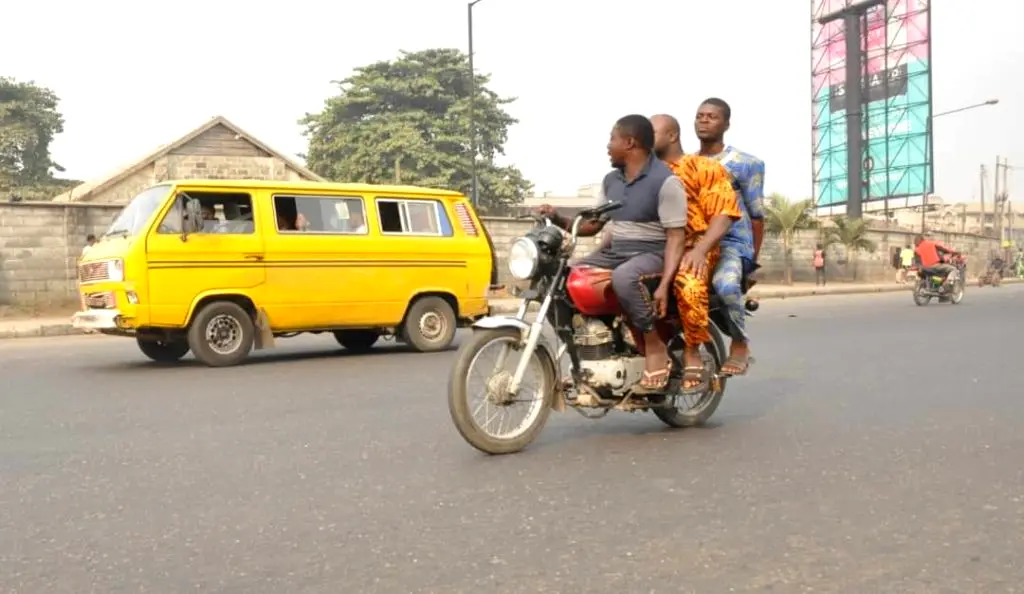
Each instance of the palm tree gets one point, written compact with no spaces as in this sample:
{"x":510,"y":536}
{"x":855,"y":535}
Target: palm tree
{"x":783,"y":219}
{"x":851,"y":234}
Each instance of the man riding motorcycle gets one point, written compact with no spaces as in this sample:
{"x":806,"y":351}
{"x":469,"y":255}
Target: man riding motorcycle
{"x":646,"y":234}
{"x":929,"y":253}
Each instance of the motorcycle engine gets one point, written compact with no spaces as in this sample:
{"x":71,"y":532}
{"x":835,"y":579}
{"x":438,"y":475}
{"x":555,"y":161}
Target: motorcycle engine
{"x":593,"y":338}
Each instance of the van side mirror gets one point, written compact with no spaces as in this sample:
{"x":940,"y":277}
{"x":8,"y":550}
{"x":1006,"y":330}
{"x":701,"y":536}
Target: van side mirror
{"x":191,"y":217}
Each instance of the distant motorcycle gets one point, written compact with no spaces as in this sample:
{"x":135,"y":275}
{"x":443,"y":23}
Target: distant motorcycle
{"x":993,"y":276}
{"x":935,"y":286}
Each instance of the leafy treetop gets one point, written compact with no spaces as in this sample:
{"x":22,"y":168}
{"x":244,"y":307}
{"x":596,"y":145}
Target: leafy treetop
{"x":407,"y":121}
{"x":29,"y":121}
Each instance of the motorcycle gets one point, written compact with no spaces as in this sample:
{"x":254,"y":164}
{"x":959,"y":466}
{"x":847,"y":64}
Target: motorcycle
{"x":993,"y":275}
{"x":605,"y":355}
{"x":931,"y":286}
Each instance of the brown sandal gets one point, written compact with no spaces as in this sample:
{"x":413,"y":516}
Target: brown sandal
{"x":742,"y":365}
{"x":693,"y":374}
{"x":653,"y":381}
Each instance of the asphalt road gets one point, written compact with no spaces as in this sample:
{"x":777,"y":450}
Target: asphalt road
{"x":877,"y":447}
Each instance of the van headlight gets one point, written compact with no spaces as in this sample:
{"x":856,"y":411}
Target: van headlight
{"x":115,"y":270}
{"x":523,"y":259}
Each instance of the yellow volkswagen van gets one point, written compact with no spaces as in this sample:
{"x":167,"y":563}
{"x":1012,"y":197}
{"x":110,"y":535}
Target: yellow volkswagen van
{"x":219,"y":267}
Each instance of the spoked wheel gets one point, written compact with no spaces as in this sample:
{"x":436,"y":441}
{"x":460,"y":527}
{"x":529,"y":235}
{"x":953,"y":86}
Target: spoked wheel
{"x":958,"y":293}
{"x":486,"y":416}
{"x":920,"y":298}
{"x":694,"y":410}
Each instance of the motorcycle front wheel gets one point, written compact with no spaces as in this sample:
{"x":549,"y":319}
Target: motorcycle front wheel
{"x":478,"y":398}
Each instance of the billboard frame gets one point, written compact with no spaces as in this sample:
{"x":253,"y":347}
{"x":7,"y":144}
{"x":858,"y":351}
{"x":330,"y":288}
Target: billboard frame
{"x":896,"y":57}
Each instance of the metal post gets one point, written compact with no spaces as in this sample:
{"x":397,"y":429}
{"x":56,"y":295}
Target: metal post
{"x":474,"y":195}
{"x":854,"y":116}
{"x":851,"y":17}
{"x":929,"y":167}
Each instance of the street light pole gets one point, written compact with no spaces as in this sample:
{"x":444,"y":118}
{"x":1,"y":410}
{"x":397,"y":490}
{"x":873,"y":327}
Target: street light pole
{"x":474,"y":196}
{"x":928,"y":145}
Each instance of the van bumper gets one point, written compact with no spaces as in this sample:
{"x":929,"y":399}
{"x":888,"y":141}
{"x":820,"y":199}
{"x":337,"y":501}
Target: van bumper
{"x":100,"y":319}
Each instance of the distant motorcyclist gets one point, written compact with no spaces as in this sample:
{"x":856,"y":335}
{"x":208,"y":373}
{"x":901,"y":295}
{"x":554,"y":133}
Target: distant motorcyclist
{"x":929,"y":253}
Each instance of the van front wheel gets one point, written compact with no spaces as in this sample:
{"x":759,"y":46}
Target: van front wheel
{"x":221,"y":334}
{"x":429,"y":325}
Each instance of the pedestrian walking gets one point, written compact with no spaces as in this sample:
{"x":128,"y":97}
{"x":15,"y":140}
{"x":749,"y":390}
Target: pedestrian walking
{"x":819,"y":266}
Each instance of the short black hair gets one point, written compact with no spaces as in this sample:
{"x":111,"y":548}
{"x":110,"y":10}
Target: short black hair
{"x":720,"y":104}
{"x":639,"y":128}
{"x":90,"y":237}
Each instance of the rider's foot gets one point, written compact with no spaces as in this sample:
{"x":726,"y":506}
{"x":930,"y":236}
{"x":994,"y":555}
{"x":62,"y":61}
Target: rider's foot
{"x":739,"y":359}
{"x":656,"y":364}
{"x":693,"y":370}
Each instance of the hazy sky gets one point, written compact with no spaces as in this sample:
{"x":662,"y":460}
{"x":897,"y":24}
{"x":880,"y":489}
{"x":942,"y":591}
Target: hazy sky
{"x":133,"y":75}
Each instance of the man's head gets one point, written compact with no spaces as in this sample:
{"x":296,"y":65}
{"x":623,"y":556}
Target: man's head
{"x":209,"y":213}
{"x":712,"y":120}
{"x":918,"y":239}
{"x":631,"y":136}
{"x":355,"y":217}
{"x":666,"y":134}
{"x":90,"y":239}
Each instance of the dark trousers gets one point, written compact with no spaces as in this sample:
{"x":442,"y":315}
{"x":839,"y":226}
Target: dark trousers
{"x":819,"y":276}
{"x":627,"y":270}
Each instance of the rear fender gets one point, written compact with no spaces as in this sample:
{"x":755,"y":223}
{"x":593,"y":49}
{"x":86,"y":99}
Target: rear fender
{"x":544,"y":346}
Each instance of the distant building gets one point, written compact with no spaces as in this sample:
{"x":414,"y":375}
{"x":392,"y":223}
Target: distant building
{"x":216,"y":150}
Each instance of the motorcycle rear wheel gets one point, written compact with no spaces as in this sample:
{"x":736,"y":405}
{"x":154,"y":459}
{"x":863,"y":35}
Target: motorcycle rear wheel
{"x":461,"y":410}
{"x":709,"y":400}
{"x":920,"y":298}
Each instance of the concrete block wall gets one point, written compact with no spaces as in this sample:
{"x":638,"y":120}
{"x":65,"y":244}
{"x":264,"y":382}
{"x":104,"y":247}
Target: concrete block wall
{"x":870,"y":267}
{"x":40,"y":243}
{"x":39,"y":247}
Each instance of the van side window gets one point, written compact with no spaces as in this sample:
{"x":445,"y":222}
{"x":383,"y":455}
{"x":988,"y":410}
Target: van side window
{"x":320,"y":214}
{"x":413,"y":217}
{"x":223,"y":213}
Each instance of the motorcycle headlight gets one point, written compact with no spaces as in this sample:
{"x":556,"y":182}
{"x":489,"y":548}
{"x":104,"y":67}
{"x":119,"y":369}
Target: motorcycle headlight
{"x":523,"y":259}
{"x":115,"y":270}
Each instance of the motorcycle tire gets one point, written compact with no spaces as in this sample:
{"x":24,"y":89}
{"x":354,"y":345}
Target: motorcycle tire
{"x":673,"y":417}
{"x":458,"y":401}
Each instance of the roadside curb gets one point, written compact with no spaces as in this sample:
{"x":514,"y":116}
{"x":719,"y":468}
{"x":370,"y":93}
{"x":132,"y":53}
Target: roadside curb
{"x":499,"y":306}
{"x":39,"y":331}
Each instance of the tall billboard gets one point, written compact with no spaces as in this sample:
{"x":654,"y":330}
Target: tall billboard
{"x":896,"y":89}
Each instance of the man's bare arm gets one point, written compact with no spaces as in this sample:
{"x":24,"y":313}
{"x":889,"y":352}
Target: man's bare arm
{"x":672,"y":214}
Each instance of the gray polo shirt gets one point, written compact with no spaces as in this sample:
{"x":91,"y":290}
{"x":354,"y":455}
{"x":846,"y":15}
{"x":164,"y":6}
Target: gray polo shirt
{"x":651,"y":203}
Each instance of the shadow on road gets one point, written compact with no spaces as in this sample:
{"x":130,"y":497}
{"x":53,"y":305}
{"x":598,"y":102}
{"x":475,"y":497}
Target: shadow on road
{"x":280,"y":355}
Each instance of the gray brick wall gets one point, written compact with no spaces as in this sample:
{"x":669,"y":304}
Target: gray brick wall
{"x":39,"y":248}
{"x":40,"y":243}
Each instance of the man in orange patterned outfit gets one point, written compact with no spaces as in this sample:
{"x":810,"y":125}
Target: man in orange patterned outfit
{"x":711,"y":209}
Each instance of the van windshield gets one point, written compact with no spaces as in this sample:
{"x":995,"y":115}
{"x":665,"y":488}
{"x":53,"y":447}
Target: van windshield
{"x":132,"y":219}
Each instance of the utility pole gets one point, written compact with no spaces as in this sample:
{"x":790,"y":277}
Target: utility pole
{"x":475,"y":195}
{"x":984,"y":176}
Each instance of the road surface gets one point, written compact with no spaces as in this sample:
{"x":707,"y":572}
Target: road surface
{"x":876,"y":448}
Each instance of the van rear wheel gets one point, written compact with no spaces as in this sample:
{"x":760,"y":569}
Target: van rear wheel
{"x":429,"y":325}
{"x":162,"y":351}
{"x":357,"y":341}
{"x":221,"y":334}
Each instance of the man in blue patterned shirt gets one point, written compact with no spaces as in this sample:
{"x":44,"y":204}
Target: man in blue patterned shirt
{"x":742,"y":244}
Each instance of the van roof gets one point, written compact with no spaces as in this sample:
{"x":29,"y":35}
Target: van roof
{"x":314,"y":186}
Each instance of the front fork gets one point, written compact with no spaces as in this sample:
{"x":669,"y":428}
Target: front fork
{"x":532,"y":339}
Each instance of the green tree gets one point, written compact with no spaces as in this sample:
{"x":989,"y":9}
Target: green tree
{"x":407,"y":120}
{"x":783,"y":219}
{"x":29,"y":121}
{"x":852,"y":235}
